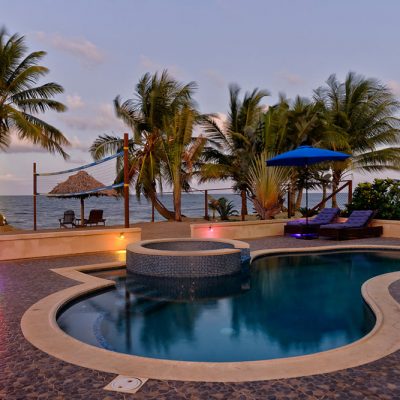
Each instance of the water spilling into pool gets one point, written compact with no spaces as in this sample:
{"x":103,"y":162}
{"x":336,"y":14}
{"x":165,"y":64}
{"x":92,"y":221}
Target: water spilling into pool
{"x":288,"y":305}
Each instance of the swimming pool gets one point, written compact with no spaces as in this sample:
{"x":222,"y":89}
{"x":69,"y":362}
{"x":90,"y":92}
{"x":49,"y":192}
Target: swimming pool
{"x":289,"y":305}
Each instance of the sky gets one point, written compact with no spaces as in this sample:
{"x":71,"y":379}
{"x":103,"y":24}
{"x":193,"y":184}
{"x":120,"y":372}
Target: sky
{"x":98,"y":49}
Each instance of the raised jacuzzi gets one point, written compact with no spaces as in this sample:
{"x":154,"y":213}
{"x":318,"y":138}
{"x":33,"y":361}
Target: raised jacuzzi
{"x":182,"y":258}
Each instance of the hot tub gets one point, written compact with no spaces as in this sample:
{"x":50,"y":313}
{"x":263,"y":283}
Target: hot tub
{"x":182,"y":258}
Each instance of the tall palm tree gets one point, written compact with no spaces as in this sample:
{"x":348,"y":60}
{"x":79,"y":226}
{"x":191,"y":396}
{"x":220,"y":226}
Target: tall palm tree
{"x":287,"y":125}
{"x":237,"y":142}
{"x":362,"y":112}
{"x":182,"y":153}
{"x":162,"y":117}
{"x":21,"y":100}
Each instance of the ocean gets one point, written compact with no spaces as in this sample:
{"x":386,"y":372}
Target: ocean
{"x":19,"y":209}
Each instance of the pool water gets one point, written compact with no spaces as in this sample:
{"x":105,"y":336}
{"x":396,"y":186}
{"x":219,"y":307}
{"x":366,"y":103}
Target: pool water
{"x":288,"y":305}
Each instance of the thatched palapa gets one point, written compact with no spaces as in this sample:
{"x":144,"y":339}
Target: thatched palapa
{"x":78,"y":183}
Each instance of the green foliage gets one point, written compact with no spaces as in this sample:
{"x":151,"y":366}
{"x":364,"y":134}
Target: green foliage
{"x":225,"y":208}
{"x":163,"y":149}
{"x":22,"y":100}
{"x":237,"y":142}
{"x":383,"y":195}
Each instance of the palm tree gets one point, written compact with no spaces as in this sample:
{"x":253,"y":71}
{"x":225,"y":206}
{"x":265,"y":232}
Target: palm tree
{"x":289,"y":124}
{"x":267,"y":186}
{"x":361,"y":115}
{"x":162,"y":117}
{"x":237,"y":142}
{"x":21,"y":100}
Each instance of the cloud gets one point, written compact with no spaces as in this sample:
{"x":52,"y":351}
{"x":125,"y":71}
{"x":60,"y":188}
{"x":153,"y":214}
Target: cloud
{"x":215,"y":77}
{"x":290,"y":78}
{"x":74,"y":102}
{"x":394,"y":86}
{"x":23,"y":146}
{"x":221,"y":119}
{"x":10,"y":178}
{"x":81,"y":48}
{"x":100,"y":119}
{"x":148,"y":64}
{"x":18,"y":145}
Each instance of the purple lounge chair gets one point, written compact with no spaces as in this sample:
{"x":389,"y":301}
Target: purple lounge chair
{"x":356,"y":226}
{"x":299,"y":227}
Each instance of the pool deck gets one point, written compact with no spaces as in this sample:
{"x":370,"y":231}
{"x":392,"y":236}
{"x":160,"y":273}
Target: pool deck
{"x":28,"y":373}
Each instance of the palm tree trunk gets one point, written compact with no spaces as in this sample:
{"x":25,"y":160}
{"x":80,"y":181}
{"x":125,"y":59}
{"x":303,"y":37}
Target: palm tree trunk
{"x":161,"y":209}
{"x":178,"y":203}
{"x":337,"y":174}
{"x":299,"y":198}
{"x":244,"y":211}
{"x":323,"y":202}
{"x":292,"y":199}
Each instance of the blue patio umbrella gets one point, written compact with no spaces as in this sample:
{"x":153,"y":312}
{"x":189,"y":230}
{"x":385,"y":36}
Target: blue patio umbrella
{"x":304,"y":156}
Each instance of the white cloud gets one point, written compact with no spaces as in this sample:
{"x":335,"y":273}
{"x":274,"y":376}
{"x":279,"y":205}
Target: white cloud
{"x":150,"y":65}
{"x":23,"y":146}
{"x":394,"y":86}
{"x":10,"y":178}
{"x":215,"y":77}
{"x":79,"y":47}
{"x":100,"y":119}
{"x":18,"y":145}
{"x":291,"y":78}
{"x":221,"y":119}
{"x":74,"y":102}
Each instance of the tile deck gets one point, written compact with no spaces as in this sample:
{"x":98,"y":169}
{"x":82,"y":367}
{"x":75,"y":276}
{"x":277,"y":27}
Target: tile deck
{"x":28,"y":373}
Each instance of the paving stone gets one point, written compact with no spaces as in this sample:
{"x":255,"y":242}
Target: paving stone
{"x":28,"y":373}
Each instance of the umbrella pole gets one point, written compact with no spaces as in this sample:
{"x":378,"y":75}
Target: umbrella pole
{"x":82,"y":211}
{"x":306,"y":194}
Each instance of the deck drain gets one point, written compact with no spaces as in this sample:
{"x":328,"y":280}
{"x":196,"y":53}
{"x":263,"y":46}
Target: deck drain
{"x":126,"y":384}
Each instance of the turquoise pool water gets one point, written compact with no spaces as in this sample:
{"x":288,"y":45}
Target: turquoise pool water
{"x":286,"y":306}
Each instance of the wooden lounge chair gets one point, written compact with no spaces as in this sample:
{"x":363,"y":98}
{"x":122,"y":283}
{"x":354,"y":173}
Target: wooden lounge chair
{"x":300,"y":227}
{"x":95,"y":218}
{"x":356,"y":227}
{"x":68,"y":219}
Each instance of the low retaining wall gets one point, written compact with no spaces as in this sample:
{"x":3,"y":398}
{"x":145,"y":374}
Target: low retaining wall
{"x":256,"y":229}
{"x":66,"y":242}
{"x":390,"y":228}
{"x":238,"y":230}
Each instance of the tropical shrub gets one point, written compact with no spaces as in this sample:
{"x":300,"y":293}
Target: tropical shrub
{"x":267,"y":185}
{"x":226,"y":209}
{"x":212,"y":205}
{"x":383,"y":195}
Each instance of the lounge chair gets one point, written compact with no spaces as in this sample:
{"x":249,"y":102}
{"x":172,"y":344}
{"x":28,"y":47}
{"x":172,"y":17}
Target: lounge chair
{"x":326,"y":216}
{"x":68,"y":219}
{"x":356,"y":226}
{"x":95,"y":218}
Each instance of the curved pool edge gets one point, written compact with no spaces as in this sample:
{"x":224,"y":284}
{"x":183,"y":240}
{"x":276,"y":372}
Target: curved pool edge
{"x":40,"y":328}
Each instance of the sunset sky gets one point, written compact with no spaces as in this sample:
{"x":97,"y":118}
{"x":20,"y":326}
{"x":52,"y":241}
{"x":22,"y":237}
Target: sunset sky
{"x":98,"y":49}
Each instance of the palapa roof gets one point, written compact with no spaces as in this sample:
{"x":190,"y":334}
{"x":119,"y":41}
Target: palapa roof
{"x":81,"y":182}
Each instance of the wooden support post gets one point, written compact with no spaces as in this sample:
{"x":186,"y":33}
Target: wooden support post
{"x":152,"y":212}
{"x":34,"y":196}
{"x":126,"y":180}
{"x":350,"y":193}
{"x":206,"y":205}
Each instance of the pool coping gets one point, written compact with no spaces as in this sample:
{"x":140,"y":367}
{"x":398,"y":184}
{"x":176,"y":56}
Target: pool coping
{"x":40,"y":328}
{"x":139,"y":247}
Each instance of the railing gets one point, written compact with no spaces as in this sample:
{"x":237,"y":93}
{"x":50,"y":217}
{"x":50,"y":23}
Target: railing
{"x":205,"y":191}
{"x":340,"y":190}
